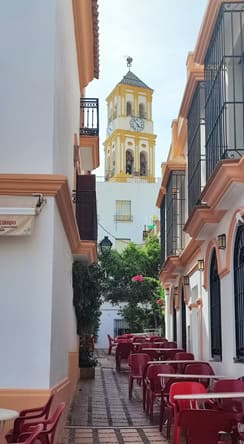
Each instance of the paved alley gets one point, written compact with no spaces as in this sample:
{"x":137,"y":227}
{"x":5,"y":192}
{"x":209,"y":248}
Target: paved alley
{"x":101,"y":412}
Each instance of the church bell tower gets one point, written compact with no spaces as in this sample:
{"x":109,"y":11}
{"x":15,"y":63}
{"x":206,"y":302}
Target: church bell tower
{"x":130,"y":143}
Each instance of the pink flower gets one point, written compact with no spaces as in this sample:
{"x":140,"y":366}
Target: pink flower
{"x":159,"y":301}
{"x":138,"y":278}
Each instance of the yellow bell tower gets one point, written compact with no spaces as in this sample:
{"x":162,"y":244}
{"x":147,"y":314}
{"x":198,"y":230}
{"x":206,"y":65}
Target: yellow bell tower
{"x":130,"y":143}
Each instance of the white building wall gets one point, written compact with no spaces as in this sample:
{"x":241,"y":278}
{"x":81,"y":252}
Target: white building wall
{"x":27,"y":30}
{"x":142,"y":197}
{"x":109,"y":314}
{"x":67,"y":91}
{"x":26,"y":265}
{"x":198,"y":329}
{"x":64,"y":338}
{"x":40,"y":113}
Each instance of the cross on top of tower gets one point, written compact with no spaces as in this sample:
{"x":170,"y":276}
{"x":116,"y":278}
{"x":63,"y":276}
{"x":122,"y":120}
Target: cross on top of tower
{"x":129,"y":62}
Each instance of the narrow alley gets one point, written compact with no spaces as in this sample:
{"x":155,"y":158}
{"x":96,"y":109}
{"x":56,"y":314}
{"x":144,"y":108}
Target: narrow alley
{"x":102,"y":413}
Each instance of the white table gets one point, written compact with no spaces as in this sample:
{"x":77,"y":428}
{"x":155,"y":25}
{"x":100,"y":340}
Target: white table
{"x":6,"y":415}
{"x":211,"y":395}
{"x":183,"y":361}
{"x":159,"y":349}
{"x":163,"y":376}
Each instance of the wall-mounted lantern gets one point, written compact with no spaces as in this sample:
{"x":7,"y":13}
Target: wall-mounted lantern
{"x":221,"y":240}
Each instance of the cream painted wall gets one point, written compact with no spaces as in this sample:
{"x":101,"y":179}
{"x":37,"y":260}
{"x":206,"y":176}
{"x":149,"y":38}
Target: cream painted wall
{"x":26,"y":265}
{"x":27,"y":49}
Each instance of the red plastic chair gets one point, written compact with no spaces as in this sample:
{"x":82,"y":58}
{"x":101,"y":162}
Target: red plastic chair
{"x":157,"y":339}
{"x":165,"y":399}
{"x":34,"y":434}
{"x":139,"y":339}
{"x":173,"y":408}
{"x":47,"y":435}
{"x":136,"y":363}
{"x":170,"y":344}
{"x":153,"y":384}
{"x":200,"y":368}
{"x":228,"y":405}
{"x":122,"y":352}
{"x":170,"y":354}
{"x":111,"y":343}
{"x":28,"y":415}
{"x":182,"y":356}
{"x":203,"y":426}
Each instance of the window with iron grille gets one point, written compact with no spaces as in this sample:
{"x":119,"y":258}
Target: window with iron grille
{"x":183,"y":319}
{"x":215,"y":309}
{"x":196,"y":147}
{"x":120,"y":327}
{"x":224,"y":80}
{"x":162,"y":231}
{"x":239,"y":292}
{"x":174,"y":323}
{"x":123,"y":211}
{"x":175,"y":213}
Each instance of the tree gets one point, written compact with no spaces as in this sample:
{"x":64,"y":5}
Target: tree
{"x":142,"y":309}
{"x":87,"y":302}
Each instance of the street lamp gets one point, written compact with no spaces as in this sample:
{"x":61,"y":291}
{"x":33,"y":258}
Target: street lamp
{"x":105,"y":245}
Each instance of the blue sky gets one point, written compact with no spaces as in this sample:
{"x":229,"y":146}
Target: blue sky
{"x":158,"y":34}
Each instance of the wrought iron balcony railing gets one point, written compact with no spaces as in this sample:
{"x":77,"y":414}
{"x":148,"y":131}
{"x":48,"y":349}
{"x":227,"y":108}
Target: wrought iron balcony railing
{"x":89,"y":117}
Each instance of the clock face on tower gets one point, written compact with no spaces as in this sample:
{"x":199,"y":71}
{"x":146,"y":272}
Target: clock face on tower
{"x":137,"y":124}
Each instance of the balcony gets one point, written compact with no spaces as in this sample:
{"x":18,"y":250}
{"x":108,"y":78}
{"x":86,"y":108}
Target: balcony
{"x":89,"y":134}
{"x":86,"y":211}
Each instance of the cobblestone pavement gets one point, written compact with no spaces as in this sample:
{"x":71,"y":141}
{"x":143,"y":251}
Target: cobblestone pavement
{"x":101,"y":412}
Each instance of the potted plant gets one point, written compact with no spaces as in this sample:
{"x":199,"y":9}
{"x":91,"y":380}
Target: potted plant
{"x":87,"y":302}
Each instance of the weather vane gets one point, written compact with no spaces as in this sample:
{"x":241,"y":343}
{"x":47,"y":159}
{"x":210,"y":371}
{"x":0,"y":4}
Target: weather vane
{"x":129,"y":62}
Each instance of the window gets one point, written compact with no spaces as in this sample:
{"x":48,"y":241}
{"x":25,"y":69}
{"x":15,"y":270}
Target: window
{"x":175,"y":213}
{"x":183,"y":319}
{"x":141,"y":111}
{"x":128,"y":109}
{"x":224,"y":99}
{"x":129,"y":162}
{"x":143,"y":164}
{"x":196,"y":147}
{"x":215,"y":309}
{"x":123,"y":211}
{"x":239,"y":292}
{"x":120,"y":327}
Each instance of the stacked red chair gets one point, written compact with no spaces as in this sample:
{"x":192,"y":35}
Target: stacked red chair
{"x":136,"y":363}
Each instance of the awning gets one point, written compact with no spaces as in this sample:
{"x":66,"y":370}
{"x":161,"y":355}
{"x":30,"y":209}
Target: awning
{"x":17,"y":214}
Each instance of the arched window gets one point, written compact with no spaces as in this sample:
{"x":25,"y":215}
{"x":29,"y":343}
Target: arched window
{"x":142,"y":110}
{"x":215,"y":309}
{"x":128,"y":109}
{"x":183,"y":319}
{"x":239,"y":291}
{"x":143,"y":164}
{"x":129,"y":162}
